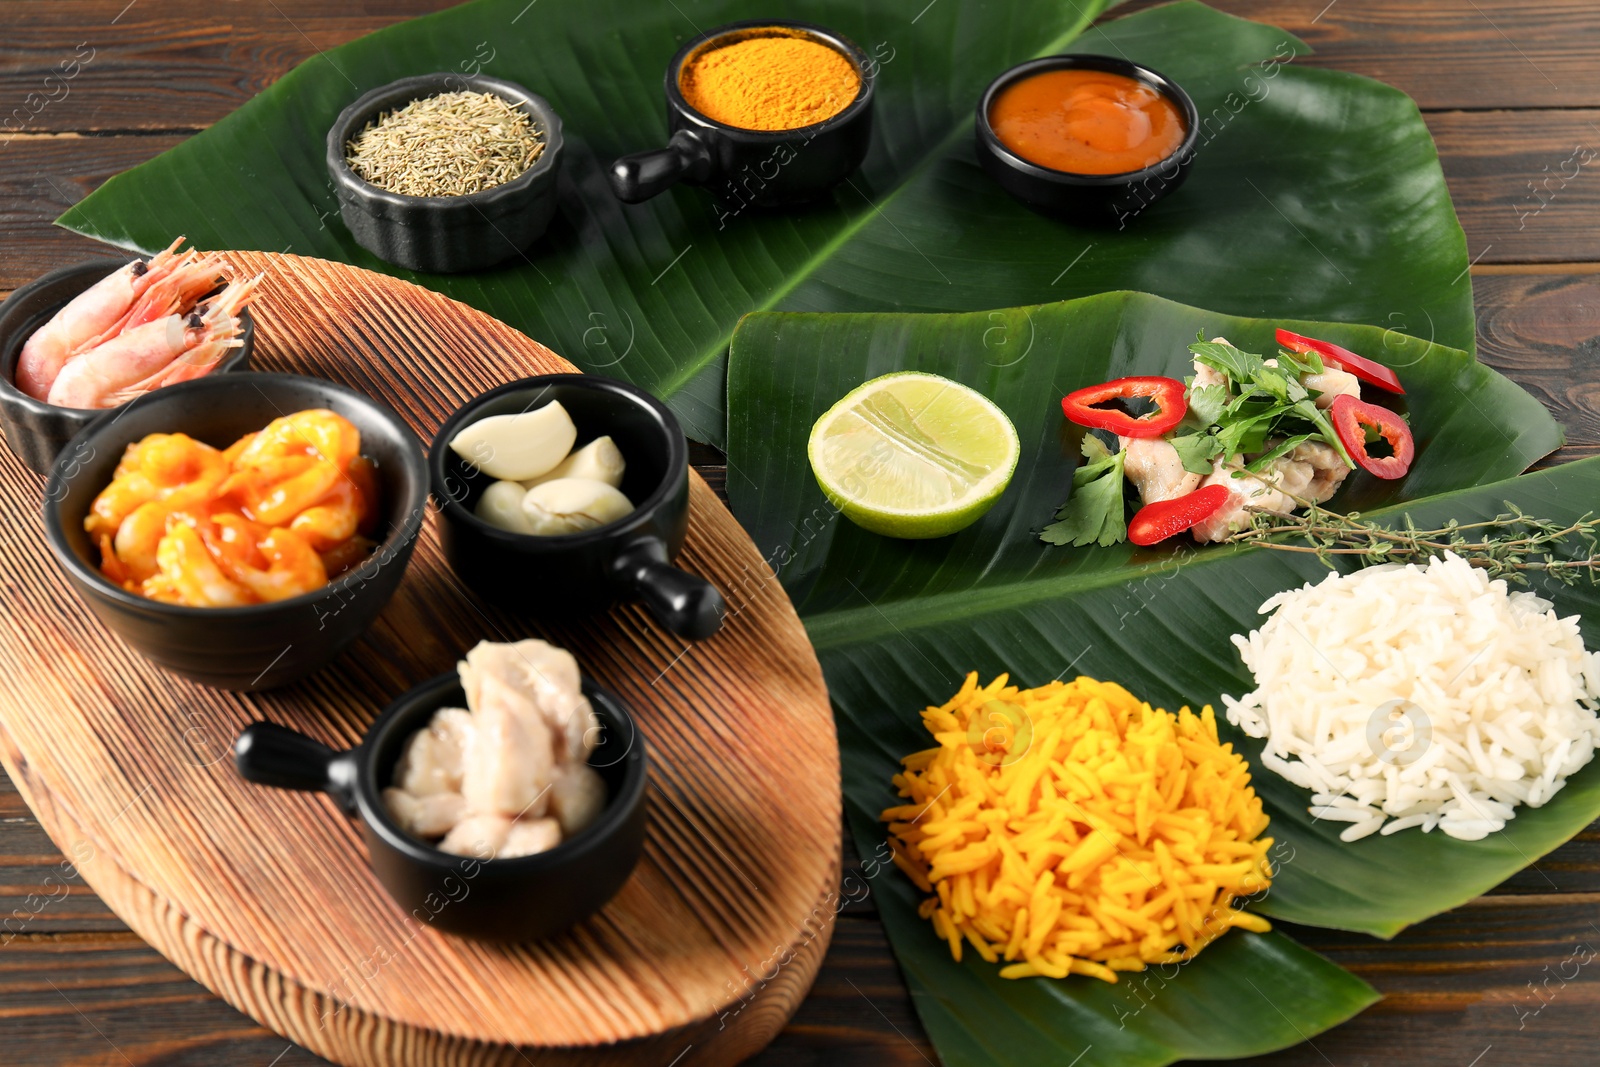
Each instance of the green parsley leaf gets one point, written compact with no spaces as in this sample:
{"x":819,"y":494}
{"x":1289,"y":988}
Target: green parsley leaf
{"x":1094,"y":514}
{"x":1196,"y":451}
{"x":1206,"y":403}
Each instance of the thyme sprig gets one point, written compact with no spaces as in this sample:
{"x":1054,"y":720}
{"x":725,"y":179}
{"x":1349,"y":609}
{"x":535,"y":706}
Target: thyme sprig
{"x":1511,"y":545}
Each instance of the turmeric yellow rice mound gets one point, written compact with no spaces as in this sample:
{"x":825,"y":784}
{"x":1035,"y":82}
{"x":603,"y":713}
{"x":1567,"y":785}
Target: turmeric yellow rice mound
{"x":1072,"y":829}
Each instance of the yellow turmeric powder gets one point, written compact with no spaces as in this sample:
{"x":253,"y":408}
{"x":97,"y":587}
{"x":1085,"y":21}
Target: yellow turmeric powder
{"x":776,"y":81}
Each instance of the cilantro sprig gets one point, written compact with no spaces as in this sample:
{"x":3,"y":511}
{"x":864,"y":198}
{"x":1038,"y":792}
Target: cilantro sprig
{"x":1095,"y":513}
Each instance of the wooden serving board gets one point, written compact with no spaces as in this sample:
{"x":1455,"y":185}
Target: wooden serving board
{"x":265,"y":895}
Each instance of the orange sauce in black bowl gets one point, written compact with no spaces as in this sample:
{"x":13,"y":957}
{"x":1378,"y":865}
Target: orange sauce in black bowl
{"x":1082,"y":121}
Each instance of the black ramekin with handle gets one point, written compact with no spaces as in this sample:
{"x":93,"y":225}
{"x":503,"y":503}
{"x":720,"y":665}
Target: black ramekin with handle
{"x":564,"y":575}
{"x":261,"y":645}
{"x":446,"y":234}
{"x":1096,"y":199}
{"x":760,"y":168}
{"x":37,"y":431}
{"x":518,"y":899}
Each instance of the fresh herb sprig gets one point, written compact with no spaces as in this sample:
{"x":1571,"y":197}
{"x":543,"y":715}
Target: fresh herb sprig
{"x":1258,"y":403}
{"x":1094,"y":513}
{"x":1511,"y":545}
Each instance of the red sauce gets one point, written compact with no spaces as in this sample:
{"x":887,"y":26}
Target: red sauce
{"x":1086,"y":122}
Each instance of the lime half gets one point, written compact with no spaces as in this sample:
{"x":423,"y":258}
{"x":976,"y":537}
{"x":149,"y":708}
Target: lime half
{"x":913,"y":455}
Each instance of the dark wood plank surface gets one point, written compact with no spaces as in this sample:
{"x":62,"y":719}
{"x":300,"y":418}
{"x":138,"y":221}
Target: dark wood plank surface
{"x":1512,"y":93}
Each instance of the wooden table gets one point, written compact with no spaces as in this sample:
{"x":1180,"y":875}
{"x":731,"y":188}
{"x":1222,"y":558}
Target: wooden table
{"x":1511,"y":91}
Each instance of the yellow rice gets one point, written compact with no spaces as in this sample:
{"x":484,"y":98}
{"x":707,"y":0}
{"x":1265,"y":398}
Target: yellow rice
{"x":1072,"y":829}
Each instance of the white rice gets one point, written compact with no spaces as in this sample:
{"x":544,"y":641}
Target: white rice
{"x":1419,"y":696}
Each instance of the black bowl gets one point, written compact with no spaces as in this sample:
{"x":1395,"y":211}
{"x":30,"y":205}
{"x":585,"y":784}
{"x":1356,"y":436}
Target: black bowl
{"x":574,"y":574}
{"x":1087,"y":198}
{"x":502,"y":900}
{"x":760,"y":168}
{"x":36,"y":431}
{"x":446,"y":234}
{"x":263,"y":645}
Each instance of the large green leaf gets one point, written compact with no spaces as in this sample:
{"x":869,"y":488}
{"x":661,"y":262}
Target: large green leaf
{"x":1245,"y":995}
{"x":898,"y":624}
{"x":1315,"y":193}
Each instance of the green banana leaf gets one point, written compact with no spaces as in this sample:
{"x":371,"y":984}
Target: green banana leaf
{"x":898,"y":624}
{"x":1315,"y":193}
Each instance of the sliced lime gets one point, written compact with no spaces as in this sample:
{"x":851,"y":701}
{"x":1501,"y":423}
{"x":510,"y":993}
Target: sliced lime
{"x":913,"y":455}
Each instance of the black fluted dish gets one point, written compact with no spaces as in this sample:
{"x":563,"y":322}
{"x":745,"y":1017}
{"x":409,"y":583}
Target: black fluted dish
{"x":567,"y":575}
{"x":34,"y":430}
{"x":446,"y":234}
{"x":1093,"y":199}
{"x":261,"y":645}
{"x":752,"y":168}
{"x":520,"y":899}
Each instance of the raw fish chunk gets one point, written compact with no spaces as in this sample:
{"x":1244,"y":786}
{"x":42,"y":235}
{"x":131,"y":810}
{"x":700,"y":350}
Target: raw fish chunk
{"x":426,"y":816}
{"x":528,"y":836}
{"x":577,"y":798}
{"x":434,"y":759}
{"x":477,"y":835}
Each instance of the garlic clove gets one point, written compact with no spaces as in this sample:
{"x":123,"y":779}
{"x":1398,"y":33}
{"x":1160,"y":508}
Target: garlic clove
{"x":520,"y":446}
{"x":600,"y":460}
{"x":572,"y":505}
{"x":501,"y":505}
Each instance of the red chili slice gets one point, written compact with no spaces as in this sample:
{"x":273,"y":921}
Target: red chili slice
{"x":1351,"y":417}
{"x":1080,"y":406}
{"x":1344,"y":359}
{"x":1159,"y":521}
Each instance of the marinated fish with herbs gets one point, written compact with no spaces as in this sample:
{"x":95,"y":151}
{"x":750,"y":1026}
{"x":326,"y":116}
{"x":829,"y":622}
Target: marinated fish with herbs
{"x":1244,"y":436}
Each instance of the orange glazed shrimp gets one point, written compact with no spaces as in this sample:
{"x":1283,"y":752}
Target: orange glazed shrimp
{"x":266,"y":519}
{"x":88,"y":315}
{"x":170,"y":467}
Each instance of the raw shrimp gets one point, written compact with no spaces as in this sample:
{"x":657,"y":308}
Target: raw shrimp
{"x":167,"y":350}
{"x":88,"y":315}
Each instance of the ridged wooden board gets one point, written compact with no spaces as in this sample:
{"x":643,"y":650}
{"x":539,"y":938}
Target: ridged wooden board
{"x":265,"y":895}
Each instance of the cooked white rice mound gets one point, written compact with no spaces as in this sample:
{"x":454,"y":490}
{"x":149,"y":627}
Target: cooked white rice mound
{"x":1419,"y":696}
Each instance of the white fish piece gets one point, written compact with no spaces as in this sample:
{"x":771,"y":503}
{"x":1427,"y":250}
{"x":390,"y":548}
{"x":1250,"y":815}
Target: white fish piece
{"x":549,"y":683}
{"x":519,"y":446}
{"x":431,"y":816}
{"x":501,"y":506}
{"x":572,"y":505}
{"x":477,"y":835}
{"x":1152,"y":464}
{"x":528,"y":837}
{"x":510,"y":763}
{"x":434,"y":758}
{"x":577,"y":798}
{"x":599,"y":461}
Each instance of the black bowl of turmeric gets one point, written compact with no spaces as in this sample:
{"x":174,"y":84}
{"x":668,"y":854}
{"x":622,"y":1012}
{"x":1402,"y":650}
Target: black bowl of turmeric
{"x":446,"y":172}
{"x":763,"y":114}
{"x":1089,"y":138}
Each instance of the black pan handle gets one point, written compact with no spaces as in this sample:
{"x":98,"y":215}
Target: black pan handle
{"x":638,"y":177}
{"x":687,"y":605}
{"x":269,"y":754}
